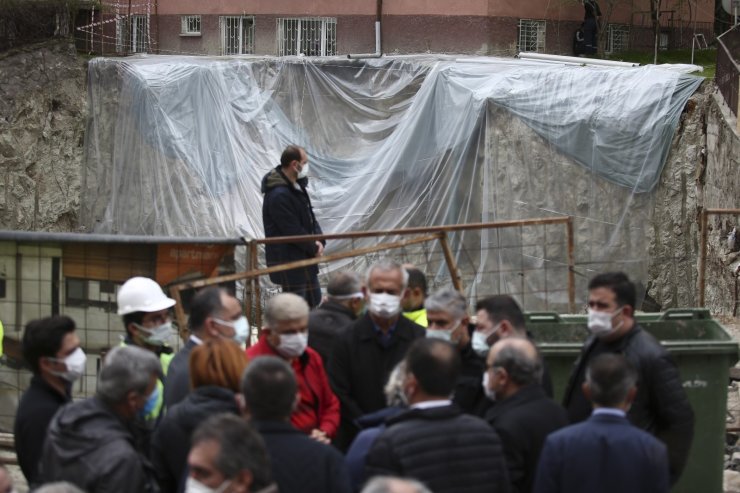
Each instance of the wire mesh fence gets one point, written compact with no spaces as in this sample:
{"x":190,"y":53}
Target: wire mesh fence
{"x":43,"y":275}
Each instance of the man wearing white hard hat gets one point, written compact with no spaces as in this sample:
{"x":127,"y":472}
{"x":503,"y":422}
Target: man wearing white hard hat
{"x":146,"y":317}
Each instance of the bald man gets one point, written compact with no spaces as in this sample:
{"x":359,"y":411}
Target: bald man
{"x":523,"y":415}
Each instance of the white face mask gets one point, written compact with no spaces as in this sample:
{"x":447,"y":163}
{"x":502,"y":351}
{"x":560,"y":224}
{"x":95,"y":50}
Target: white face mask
{"x":384,"y":305}
{"x":157,"y":336}
{"x":600,"y":323}
{"x":240,"y":326}
{"x":480,"y":346}
{"x":445,"y":334}
{"x":490,"y":393}
{"x":292,"y":345}
{"x":304,"y":171}
{"x":192,"y":485}
{"x":75,"y":364}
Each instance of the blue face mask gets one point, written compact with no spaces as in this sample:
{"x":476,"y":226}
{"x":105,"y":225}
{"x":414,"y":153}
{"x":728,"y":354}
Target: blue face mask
{"x":151,"y":402}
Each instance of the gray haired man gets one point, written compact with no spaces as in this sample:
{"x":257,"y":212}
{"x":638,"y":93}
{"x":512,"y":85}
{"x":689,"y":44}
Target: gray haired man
{"x":447,"y":316}
{"x":93,"y":443}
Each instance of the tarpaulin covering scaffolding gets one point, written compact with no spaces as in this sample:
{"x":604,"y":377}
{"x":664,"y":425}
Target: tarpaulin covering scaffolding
{"x":179,"y":145}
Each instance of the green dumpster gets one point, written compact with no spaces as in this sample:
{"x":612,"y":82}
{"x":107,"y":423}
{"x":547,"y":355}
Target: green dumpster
{"x":704,"y":353}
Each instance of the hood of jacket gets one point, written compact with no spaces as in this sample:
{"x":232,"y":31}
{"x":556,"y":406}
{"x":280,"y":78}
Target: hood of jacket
{"x":276,"y":178}
{"x":202,"y":403}
{"x":81,"y":428}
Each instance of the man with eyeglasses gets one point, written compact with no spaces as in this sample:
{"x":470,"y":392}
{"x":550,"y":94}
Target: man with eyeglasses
{"x":214,"y":314}
{"x":661,"y":406}
{"x":447,"y":319}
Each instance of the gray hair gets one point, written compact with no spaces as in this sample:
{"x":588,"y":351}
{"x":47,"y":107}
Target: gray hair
{"x":394,"y":387}
{"x":449,"y":301}
{"x":521,"y":367}
{"x":285,"y":306}
{"x":610,"y":377}
{"x":59,"y":487}
{"x":385,"y":484}
{"x":126,"y":368}
{"x":388,"y":266}
{"x":241,"y":447}
{"x":343,"y":284}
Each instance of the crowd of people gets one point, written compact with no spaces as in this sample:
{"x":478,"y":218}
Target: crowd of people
{"x":381,"y":388}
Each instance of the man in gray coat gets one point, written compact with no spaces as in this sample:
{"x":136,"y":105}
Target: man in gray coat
{"x":94,"y":443}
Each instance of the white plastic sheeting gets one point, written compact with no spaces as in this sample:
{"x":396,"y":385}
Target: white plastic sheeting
{"x":178,"y":146}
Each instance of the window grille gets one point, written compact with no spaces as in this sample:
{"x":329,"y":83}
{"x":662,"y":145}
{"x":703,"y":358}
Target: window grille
{"x":315,"y":36}
{"x":618,"y":38}
{"x":531,"y":35}
{"x":237,"y":35}
{"x":190,"y":25}
{"x":132,"y":34}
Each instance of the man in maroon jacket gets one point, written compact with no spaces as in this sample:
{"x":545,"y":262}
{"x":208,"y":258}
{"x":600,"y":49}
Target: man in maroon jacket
{"x":286,"y":335}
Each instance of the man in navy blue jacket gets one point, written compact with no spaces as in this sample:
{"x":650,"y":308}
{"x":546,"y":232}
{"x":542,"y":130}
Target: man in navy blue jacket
{"x":287,"y":211}
{"x":604,"y":453}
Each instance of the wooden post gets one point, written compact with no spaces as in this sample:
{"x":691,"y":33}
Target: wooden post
{"x":451,"y":264}
{"x":571,"y":267}
{"x":182,"y":321}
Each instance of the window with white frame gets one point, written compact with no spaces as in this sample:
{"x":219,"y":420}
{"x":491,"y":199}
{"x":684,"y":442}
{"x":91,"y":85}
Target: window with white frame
{"x":132,"y":34}
{"x":531,"y":35}
{"x":237,"y":34}
{"x":310,"y":36}
{"x":190,"y":25}
{"x":618,"y":38}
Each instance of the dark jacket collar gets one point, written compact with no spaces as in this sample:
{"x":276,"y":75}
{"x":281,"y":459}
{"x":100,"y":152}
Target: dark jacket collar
{"x":38,"y":382}
{"x":607,"y":419}
{"x":333,"y":306}
{"x":274,"y":427}
{"x":401,"y":331}
{"x":524,"y":396}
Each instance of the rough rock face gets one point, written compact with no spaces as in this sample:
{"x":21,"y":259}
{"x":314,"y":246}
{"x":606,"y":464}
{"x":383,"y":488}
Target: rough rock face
{"x":42,"y":123}
{"x":720,"y":188}
{"x":674,"y":231}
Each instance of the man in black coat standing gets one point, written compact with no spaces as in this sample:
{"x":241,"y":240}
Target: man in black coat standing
{"x":287,"y":211}
{"x":661,"y":406}
{"x":51,"y":348}
{"x":434,"y":442}
{"x":344,"y":304}
{"x":364,"y":356}
{"x":299,"y":464}
{"x":523,"y":415}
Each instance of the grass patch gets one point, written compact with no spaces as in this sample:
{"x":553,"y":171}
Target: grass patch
{"x":704,"y":58}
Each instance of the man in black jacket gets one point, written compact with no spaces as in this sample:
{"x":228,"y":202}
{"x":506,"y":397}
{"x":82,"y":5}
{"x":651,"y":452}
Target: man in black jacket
{"x":447,"y":318}
{"x":287,"y":211}
{"x":344,"y":304}
{"x":523,"y":415}
{"x":434,"y":441}
{"x":661,"y":406}
{"x":364,"y":356}
{"x":214,"y":314}
{"x":299,"y":464}
{"x":52,"y":349}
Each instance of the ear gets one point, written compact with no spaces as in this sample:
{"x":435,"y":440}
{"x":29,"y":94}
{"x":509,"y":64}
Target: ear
{"x":631,"y":395}
{"x":243,"y":481}
{"x":505,"y":330}
{"x":586,"y":388}
{"x":210,"y":326}
{"x":297,"y":400}
{"x":241,"y":404}
{"x":132,"y":401}
{"x":628,"y":311}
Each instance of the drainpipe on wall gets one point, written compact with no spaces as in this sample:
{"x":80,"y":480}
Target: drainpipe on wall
{"x":377,"y":53}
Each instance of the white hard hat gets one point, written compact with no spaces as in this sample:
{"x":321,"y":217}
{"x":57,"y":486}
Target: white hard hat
{"x":141,"y":294}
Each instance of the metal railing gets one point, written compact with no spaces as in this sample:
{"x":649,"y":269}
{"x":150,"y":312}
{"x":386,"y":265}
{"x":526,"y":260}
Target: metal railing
{"x":432,"y":250}
{"x":727,"y":76}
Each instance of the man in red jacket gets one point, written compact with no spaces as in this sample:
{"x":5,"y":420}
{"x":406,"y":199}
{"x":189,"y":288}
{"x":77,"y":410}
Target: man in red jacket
{"x":286,"y":335}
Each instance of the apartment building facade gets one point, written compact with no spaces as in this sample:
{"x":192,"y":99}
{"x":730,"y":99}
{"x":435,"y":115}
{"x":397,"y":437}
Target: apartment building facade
{"x":338,"y":27}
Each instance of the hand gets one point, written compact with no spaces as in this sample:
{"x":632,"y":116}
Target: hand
{"x":320,"y":249}
{"x":320,"y":436}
